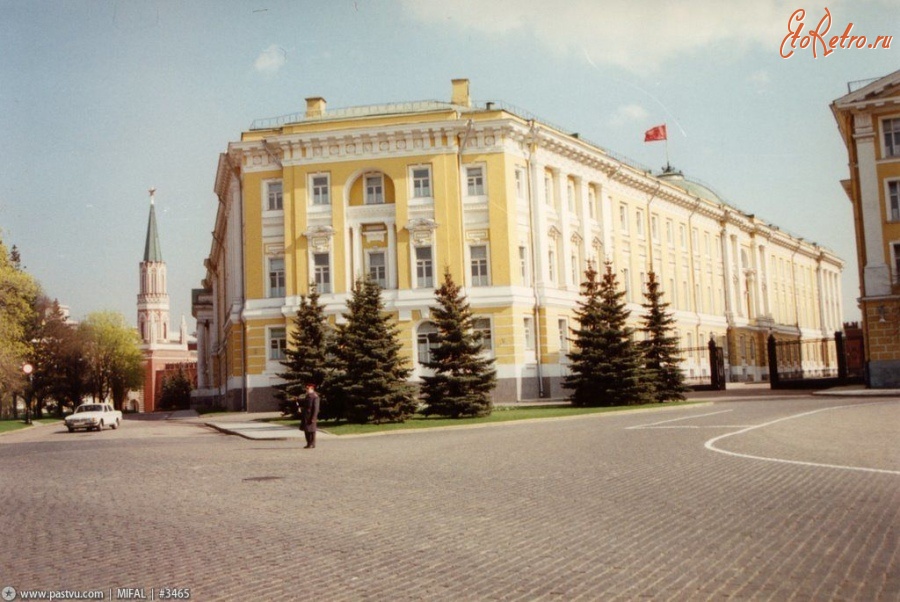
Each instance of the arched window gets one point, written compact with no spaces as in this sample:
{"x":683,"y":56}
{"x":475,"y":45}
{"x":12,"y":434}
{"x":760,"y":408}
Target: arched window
{"x":426,"y":341}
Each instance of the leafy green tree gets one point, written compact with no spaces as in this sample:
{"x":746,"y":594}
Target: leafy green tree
{"x":369,"y":381}
{"x":660,"y":346}
{"x":606,"y":366}
{"x":55,"y":354}
{"x":306,"y":358}
{"x":19,"y":292}
{"x":113,"y":357}
{"x":463,"y":380}
{"x":176,"y":391}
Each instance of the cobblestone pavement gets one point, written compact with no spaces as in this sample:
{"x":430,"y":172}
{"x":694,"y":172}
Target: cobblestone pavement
{"x":801,"y":501}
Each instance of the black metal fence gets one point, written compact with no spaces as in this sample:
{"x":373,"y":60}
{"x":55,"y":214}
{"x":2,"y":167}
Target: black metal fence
{"x":809,"y":363}
{"x":711,"y":358}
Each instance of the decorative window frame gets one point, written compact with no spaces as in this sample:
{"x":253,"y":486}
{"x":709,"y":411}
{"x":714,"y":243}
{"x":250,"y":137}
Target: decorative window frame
{"x":365,"y":183}
{"x":265,"y":184}
{"x":416,"y":198}
{"x":478,"y":241}
{"x":894,"y":249}
{"x":477,"y":197}
{"x":388,"y":280}
{"x":882,"y":125}
{"x":270,"y":292}
{"x":888,"y":216}
{"x":270,"y":339}
{"x":486,"y":351}
{"x":431,"y":340}
{"x":421,"y":232}
{"x":312,"y":269}
{"x":311,"y":187}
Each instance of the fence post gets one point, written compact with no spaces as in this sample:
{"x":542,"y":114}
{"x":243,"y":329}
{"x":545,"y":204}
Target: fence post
{"x":713,"y":365}
{"x":773,"y":362}
{"x":841,"y":356}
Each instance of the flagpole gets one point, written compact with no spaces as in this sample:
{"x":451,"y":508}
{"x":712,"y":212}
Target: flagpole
{"x":667,"y":148}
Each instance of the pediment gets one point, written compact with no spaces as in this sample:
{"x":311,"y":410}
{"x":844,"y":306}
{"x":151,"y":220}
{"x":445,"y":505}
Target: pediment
{"x":885,"y":90}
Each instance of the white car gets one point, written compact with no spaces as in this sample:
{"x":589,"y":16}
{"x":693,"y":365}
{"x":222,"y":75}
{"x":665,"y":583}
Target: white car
{"x":90,"y":416}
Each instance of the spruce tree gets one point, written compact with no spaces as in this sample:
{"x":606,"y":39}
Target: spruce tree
{"x":660,"y":346}
{"x":463,"y":379}
{"x":369,"y":383}
{"x":606,"y":367}
{"x":306,"y":357}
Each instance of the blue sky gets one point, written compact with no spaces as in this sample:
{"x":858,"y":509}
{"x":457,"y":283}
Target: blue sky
{"x":100,"y":100}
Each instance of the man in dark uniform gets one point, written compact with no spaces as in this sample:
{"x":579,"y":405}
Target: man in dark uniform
{"x":309,"y":414}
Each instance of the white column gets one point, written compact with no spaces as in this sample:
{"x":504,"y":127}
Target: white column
{"x":821,"y":291}
{"x":876,"y":276}
{"x":539,"y":235}
{"x":728,"y":274}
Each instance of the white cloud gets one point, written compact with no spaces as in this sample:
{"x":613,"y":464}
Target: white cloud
{"x":628,"y":114}
{"x":271,"y":59}
{"x":637,"y":35}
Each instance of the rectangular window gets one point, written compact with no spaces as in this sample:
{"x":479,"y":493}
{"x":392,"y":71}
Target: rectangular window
{"x":592,"y":201}
{"x":654,"y":228}
{"x":479,"y":259}
{"x":321,"y":192}
{"x":626,"y":282}
{"x":682,"y":235}
{"x":551,"y":266}
{"x":374,"y":189}
{"x":570,"y":196}
{"x":483,"y":327}
{"x":378,"y":268}
{"x":894,"y":201}
{"x":424,"y":268}
{"x":639,"y":220}
{"x":574,"y":268}
{"x":891,"y":137}
{"x":475,"y":181}
{"x":421,"y":177}
{"x":670,"y":237}
{"x":528,"y":323}
{"x":276,"y":277}
{"x":896,"y":247}
{"x":548,"y":189}
{"x":523,"y":265}
{"x":277,"y":343}
{"x":706,"y":244}
{"x":520,"y":183}
{"x":426,"y":341}
{"x":322,"y":272}
{"x":274,"y":200}
{"x":623,"y":218}
{"x":563,"y":325}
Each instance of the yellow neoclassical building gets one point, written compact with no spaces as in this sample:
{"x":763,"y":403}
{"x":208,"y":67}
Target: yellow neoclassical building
{"x":868,"y":118}
{"x":514,"y":207}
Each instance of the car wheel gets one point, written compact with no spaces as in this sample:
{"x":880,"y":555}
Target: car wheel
{"x":114,"y":425}
{"x":100,"y":426}
{"x":71,"y":429}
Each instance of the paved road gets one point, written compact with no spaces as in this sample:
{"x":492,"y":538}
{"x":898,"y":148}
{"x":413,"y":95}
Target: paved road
{"x":771,"y":499}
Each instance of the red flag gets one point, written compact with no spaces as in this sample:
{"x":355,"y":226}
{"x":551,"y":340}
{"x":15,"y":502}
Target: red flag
{"x":655,"y":134}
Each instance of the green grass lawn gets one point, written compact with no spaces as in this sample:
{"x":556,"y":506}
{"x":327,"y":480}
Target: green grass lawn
{"x":14,"y":425}
{"x":500,"y":414}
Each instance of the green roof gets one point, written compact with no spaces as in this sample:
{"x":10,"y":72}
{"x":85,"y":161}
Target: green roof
{"x":152,"y":250}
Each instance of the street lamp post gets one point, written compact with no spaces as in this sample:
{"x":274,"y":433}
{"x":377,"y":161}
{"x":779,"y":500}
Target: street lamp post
{"x":28,"y":369}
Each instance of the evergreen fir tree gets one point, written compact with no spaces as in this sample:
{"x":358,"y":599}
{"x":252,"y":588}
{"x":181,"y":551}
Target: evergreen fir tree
{"x":462,"y":380}
{"x":607,"y":367}
{"x":369,"y":382}
{"x":305,"y":358}
{"x":660,"y":347}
